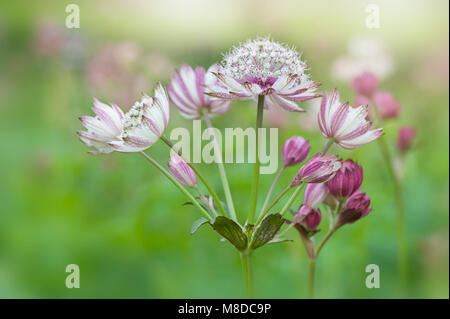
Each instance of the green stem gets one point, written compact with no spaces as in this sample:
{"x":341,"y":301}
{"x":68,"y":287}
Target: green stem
{"x":254,"y":192}
{"x":223,"y":175}
{"x":247,"y":273}
{"x":312,"y":270}
{"x":324,"y":240}
{"x":200,"y":176}
{"x":327,"y":146}
{"x":205,"y":200}
{"x":273,"y":203}
{"x":271,"y":190}
{"x":291,"y":199}
{"x":177,"y":184}
{"x":403,"y":252}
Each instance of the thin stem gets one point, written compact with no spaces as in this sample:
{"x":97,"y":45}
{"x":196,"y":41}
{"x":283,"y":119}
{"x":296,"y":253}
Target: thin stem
{"x":285,"y":230}
{"x":312,"y":270}
{"x":205,"y":200}
{"x":327,"y":146}
{"x":273,"y":203}
{"x":254,"y":192}
{"x":223,"y":175}
{"x":247,"y":274}
{"x":200,"y":175}
{"x":403,"y":252}
{"x":291,"y":199}
{"x":271,"y":189}
{"x":177,"y":184}
{"x":324,"y":240}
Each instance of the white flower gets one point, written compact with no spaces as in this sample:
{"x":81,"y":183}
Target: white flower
{"x":264,"y":67}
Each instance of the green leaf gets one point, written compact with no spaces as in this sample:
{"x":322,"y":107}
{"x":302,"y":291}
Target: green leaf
{"x":266,"y":230}
{"x":231,"y":231}
{"x":279,"y":240}
{"x":196,"y":225}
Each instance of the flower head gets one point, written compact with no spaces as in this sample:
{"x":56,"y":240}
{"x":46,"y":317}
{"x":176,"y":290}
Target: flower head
{"x":295,"y":150}
{"x":315,"y":194}
{"x":405,"y":137}
{"x":387,"y":106}
{"x":320,"y":168}
{"x":144,"y":123}
{"x":346,"y":125}
{"x":308,"y":217}
{"x":187,"y":92}
{"x":366,"y":84}
{"x":265,"y":67}
{"x":181,"y":170}
{"x":358,"y":206}
{"x":346,"y":180}
{"x":106,"y":127}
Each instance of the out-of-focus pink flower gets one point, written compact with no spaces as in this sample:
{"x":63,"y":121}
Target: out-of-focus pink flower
{"x":295,"y":150}
{"x":187,"y":92}
{"x":405,"y":137}
{"x":264,"y":67}
{"x":49,"y":39}
{"x":320,"y":168}
{"x":315,"y":194}
{"x":308,"y":217}
{"x":145,"y":122}
{"x":276,"y":117}
{"x":103,"y":129}
{"x":387,"y":106}
{"x":361,"y":100}
{"x":358,"y":206}
{"x":181,"y":170}
{"x":366,"y":84}
{"x":347,"y":180}
{"x":346,"y":126}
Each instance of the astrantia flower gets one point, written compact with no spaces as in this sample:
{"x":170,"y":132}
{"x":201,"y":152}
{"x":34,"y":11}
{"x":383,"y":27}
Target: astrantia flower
{"x":318,"y":169}
{"x":106,"y":127}
{"x":187,"y":92}
{"x":405,"y":138}
{"x":387,"y":106}
{"x":308,"y":217}
{"x":264,"y":67}
{"x":181,"y":170}
{"x":358,"y":206}
{"x":295,"y":150}
{"x":346,"y":180}
{"x":346,"y":125}
{"x":315,"y":194}
{"x":145,"y":122}
{"x":366,"y":84}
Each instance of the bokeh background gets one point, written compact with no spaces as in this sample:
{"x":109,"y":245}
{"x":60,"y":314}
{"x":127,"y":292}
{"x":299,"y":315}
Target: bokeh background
{"x":124,"y":224}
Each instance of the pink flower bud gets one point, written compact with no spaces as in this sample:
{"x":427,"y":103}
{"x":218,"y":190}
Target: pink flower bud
{"x":308,"y":217}
{"x":361,"y":100}
{"x":315,"y":194}
{"x":181,"y":170}
{"x":295,"y":150}
{"x":366,"y":84}
{"x":318,"y":169}
{"x":405,"y":137}
{"x":387,"y":106}
{"x":346,"y":180}
{"x":358,"y":206}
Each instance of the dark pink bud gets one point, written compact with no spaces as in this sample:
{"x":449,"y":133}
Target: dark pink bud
{"x":387,"y":106}
{"x":358,"y":206}
{"x":181,"y":170}
{"x":295,"y":150}
{"x":365,"y":84}
{"x":318,"y":169}
{"x":308,"y":217}
{"x":405,"y":137}
{"x":346,"y":180}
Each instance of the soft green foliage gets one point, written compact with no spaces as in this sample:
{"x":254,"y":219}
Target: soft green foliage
{"x":124,"y":224}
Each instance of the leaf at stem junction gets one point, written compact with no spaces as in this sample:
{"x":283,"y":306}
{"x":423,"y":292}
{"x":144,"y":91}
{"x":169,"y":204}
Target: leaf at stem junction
{"x":197,"y":224}
{"x":231,"y":231}
{"x":266,"y":230}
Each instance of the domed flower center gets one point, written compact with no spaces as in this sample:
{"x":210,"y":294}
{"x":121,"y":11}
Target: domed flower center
{"x":262,"y":61}
{"x":133,"y":118}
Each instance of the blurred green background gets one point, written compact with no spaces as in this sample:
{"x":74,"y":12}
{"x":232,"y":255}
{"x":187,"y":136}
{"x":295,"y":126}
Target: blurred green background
{"x":124,"y":224}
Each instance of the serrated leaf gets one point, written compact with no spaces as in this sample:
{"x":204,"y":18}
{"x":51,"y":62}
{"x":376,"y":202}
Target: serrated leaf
{"x":197,"y":224}
{"x":266,"y":230}
{"x":231,"y":231}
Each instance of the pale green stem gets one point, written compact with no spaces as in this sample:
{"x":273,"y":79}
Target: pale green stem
{"x":205,"y":199}
{"x":200,"y":175}
{"x":254,"y":192}
{"x":271,"y":190}
{"x":403,"y":252}
{"x":273,"y":203}
{"x":247,"y":272}
{"x":291,"y":199}
{"x":177,"y":184}
{"x":327,"y":146}
{"x":312,"y":270}
{"x":223,"y":175}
